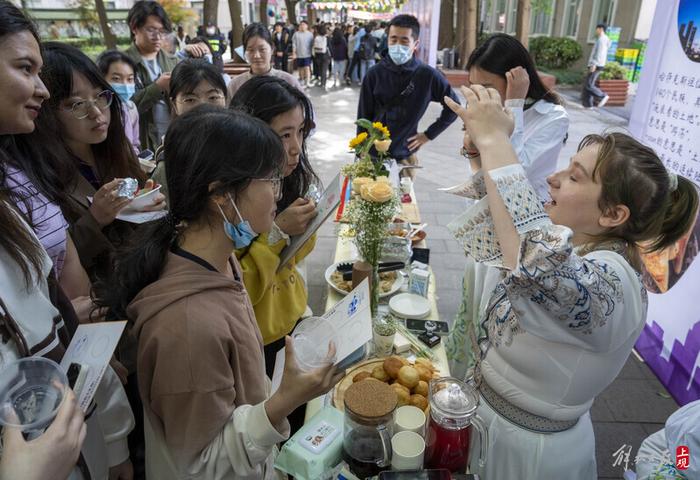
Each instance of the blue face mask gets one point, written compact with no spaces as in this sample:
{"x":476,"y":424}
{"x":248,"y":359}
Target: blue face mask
{"x":242,"y":234}
{"x":400,"y":54}
{"x":124,"y":90}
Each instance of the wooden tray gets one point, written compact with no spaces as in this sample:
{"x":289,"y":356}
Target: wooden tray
{"x":338,"y":395}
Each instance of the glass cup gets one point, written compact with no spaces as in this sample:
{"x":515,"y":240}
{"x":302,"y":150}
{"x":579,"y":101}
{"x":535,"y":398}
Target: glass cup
{"x":31,"y":392}
{"x":311,"y":340}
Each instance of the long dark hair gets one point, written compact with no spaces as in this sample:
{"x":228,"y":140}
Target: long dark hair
{"x":206,"y":146}
{"x":265,"y":97}
{"x":45,"y":156}
{"x":15,"y":239}
{"x":190,"y":72}
{"x":501,"y":53}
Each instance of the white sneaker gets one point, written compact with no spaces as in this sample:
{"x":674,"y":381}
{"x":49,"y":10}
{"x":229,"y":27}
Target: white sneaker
{"x":603,"y":101}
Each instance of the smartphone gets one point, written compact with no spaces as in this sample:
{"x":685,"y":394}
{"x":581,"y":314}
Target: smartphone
{"x":421,"y":254}
{"x":76,"y":377}
{"x":438,"y":474}
{"x":146,"y":155}
{"x":440,"y":327}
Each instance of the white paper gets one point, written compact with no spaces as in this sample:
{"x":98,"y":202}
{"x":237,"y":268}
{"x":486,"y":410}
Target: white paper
{"x":327,"y":204}
{"x":93,"y":345}
{"x":351,"y":319}
{"x":134,"y":216}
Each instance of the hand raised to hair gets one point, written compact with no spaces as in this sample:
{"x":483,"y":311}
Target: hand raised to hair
{"x":518,"y":84}
{"x":485,"y":119}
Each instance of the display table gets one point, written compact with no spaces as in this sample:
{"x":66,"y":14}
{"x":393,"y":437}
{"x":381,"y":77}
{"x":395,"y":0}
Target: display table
{"x":344,"y":252}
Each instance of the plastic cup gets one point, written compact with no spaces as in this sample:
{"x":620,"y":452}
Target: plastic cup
{"x":31,"y":392}
{"x":311,"y":338}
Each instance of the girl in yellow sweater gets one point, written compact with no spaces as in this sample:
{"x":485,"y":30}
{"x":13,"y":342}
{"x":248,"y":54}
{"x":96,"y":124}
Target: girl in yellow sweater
{"x":280,"y":298}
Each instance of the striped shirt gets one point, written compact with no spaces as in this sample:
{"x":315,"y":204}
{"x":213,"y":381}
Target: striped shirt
{"x":46,"y":217}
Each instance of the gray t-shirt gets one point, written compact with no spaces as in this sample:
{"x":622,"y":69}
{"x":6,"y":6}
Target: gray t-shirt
{"x":161,"y":113}
{"x":303,"y":42}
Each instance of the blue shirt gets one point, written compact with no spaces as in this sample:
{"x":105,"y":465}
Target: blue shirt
{"x":358,"y":39}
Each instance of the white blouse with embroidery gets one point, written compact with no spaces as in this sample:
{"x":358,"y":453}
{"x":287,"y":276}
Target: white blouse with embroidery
{"x":560,"y":325}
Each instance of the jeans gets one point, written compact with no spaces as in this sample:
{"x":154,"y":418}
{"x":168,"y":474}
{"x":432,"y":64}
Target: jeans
{"x":365,"y":65}
{"x":354,"y":69}
{"x":339,"y":69}
{"x":590,"y":90}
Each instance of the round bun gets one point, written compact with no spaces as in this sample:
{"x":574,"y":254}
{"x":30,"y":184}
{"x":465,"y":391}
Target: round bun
{"x":421,"y":389}
{"x":379,"y":373}
{"x":402,"y":393}
{"x":408,"y":377}
{"x":392,"y":365}
{"x":419,"y":401}
{"x":361,"y":376}
{"x":424,"y":373}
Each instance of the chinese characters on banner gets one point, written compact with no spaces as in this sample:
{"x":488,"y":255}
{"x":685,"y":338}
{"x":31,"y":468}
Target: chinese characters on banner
{"x":666,"y":116}
{"x":428,"y":14}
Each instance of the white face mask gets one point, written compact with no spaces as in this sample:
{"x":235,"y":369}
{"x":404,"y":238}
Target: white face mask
{"x":211,"y":31}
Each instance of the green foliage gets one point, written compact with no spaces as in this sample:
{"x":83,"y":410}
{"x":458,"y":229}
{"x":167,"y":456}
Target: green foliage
{"x":85,"y":43}
{"x":566,"y":76}
{"x":613,"y":71}
{"x":555,"y":52}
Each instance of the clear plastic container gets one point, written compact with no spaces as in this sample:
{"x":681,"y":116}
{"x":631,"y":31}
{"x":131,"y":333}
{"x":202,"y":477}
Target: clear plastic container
{"x":31,"y":392}
{"x":311,"y":339}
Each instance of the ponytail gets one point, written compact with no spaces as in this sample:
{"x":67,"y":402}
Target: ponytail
{"x":681,"y":213}
{"x":136,"y":264}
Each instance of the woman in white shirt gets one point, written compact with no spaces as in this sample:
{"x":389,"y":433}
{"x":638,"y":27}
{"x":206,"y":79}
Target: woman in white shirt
{"x":541,"y":124}
{"x":569,"y":305}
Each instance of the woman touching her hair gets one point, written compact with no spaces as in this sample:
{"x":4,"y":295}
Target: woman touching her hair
{"x":568,"y":303}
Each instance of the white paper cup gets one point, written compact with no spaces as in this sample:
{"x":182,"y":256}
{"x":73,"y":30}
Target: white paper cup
{"x":408,"y":449}
{"x":409,"y":419}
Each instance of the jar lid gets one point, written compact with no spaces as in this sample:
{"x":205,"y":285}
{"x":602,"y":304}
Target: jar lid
{"x":454,"y":397}
{"x":370,"y":398}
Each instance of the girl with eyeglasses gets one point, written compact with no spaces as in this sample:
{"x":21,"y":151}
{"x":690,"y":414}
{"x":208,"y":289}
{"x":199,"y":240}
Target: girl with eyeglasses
{"x":194,"y":82}
{"x":280,"y":297}
{"x":201,"y":370}
{"x":79,"y":153}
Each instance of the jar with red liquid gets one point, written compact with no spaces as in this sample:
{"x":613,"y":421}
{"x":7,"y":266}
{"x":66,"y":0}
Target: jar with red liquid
{"x":451,"y":424}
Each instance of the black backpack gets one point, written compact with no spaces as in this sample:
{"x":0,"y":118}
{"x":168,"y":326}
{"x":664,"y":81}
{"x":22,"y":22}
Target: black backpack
{"x":368,"y":46}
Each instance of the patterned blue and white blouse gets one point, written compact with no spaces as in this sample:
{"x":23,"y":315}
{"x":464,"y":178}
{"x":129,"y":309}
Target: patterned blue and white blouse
{"x":557,"y":328}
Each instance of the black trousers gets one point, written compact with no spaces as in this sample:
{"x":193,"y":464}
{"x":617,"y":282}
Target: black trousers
{"x":590,"y":91}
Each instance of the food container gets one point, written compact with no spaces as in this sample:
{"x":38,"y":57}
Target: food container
{"x":311,"y":340}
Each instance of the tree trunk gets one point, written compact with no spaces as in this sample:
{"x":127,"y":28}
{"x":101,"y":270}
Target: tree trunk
{"x":311,"y":15}
{"x":110,"y":39}
{"x":446,"y":34}
{"x":263,"y":12}
{"x":291,"y":13}
{"x":522,"y":22}
{"x":210,"y":12}
{"x":472,"y":24}
{"x":234,"y":7}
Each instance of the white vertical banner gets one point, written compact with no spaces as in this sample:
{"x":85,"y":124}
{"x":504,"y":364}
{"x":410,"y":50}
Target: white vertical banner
{"x":428,"y":14}
{"x":666,"y":116}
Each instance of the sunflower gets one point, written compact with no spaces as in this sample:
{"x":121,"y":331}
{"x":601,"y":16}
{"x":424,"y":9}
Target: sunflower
{"x":381,"y":128}
{"x":361,"y":137}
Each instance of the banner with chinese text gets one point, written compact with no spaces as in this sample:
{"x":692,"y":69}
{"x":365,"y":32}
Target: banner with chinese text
{"x":666,"y":116}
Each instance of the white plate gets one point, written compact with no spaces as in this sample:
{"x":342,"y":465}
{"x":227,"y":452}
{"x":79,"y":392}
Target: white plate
{"x":394,"y":288}
{"x":141,"y":201}
{"x":410,"y":305}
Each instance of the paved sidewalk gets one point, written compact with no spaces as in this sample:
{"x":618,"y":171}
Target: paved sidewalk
{"x":634,"y":406}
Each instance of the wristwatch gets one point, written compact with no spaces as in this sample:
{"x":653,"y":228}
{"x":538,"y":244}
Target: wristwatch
{"x":469,"y":153}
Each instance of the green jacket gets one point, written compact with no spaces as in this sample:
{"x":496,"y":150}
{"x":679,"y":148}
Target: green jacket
{"x":148,"y":93}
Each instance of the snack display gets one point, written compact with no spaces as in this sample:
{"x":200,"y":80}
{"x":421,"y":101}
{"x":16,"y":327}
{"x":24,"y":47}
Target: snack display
{"x":386,"y":281}
{"x":403,"y":377}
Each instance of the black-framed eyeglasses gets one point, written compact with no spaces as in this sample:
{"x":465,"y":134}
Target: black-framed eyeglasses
{"x":81,"y":108}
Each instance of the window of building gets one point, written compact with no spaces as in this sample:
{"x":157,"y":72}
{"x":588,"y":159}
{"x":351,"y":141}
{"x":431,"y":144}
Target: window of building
{"x":500,"y":16}
{"x":512,"y":16}
{"x":572,"y":18}
{"x":541,"y":17}
{"x":603,"y":12}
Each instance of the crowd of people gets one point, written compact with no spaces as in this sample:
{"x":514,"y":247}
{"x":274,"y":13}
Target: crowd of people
{"x":553,"y":301}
